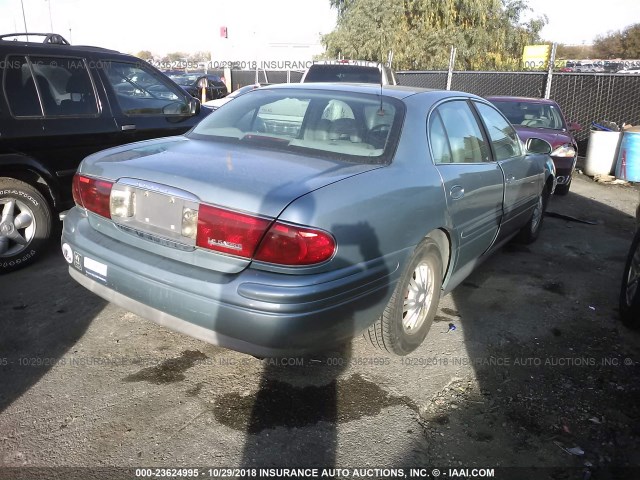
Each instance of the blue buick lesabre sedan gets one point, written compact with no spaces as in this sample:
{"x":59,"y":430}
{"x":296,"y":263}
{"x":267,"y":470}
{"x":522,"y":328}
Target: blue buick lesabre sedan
{"x":298,"y":216}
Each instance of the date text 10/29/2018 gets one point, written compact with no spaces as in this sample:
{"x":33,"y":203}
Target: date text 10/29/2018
{"x":378,"y":473}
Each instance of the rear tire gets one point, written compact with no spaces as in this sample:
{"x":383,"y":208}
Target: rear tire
{"x":408,"y":316}
{"x":25,"y":224}
{"x":531,"y":230}
{"x":630,"y":289}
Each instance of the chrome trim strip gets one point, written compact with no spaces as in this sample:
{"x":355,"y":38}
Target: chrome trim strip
{"x":158,"y":188}
{"x":166,"y":242}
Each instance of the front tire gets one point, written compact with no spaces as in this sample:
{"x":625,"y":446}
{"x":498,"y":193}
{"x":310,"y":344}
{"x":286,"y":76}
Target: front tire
{"x":25,"y":224}
{"x":630,"y":289}
{"x":408,"y":316}
{"x":563,"y":189}
{"x":531,"y":230}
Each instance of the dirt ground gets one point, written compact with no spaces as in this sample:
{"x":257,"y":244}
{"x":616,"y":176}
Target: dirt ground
{"x":526,"y":370}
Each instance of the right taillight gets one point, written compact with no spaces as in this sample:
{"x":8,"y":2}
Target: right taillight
{"x":247,"y":236}
{"x":293,"y":245}
{"x":92,"y":194}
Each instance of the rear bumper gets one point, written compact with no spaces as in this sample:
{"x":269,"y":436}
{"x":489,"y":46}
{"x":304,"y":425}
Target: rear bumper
{"x":257,"y":312}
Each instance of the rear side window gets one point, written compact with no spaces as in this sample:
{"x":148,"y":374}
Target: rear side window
{"x":439,"y":143}
{"x":143,"y":92}
{"x":50,"y":86}
{"x":19,"y":88}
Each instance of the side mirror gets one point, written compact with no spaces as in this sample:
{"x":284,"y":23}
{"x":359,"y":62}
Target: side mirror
{"x":194,"y":106}
{"x":574,"y":127}
{"x":537,"y":145}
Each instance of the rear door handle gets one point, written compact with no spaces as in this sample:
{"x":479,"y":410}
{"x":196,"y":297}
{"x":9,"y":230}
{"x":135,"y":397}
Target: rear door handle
{"x":127,"y":127}
{"x":456,"y":192}
{"x":510,"y":179}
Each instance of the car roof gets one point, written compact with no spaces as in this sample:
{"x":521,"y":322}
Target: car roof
{"x":506,"y":98}
{"x":53,"y":48}
{"x":396,"y":91}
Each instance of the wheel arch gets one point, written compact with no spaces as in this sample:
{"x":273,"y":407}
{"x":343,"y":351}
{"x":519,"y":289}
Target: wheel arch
{"x":442,"y":239}
{"x":29,"y":171}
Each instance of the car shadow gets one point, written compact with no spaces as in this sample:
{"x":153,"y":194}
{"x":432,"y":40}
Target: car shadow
{"x":40,"y":322}
{"x":551,"y":385}
{"x":307,"y":390}
{"x":301,"y":391}
{"x":522,"y":305}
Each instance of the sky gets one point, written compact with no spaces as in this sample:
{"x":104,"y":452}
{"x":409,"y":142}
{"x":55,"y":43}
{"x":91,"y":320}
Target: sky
{"x":577,"y":22}
{"x":290,"y":28}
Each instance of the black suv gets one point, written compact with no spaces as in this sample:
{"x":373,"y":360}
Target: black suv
{"x":58,"y":104}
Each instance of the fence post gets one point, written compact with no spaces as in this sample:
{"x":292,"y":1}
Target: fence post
{"x":452,"y":61}
{"x":552,"y":62}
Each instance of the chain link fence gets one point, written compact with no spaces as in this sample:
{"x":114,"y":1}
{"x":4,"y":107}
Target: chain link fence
{"x":583,"y":97}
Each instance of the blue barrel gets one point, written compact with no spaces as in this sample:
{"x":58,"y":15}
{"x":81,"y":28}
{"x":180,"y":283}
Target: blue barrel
{"x":628,"y":164}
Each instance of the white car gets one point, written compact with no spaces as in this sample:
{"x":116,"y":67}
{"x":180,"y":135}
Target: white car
{"x":355,"y":71}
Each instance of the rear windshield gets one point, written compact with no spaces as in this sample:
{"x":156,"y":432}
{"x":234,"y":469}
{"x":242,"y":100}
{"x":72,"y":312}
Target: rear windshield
{"x":353,"y":127}
{"x":343,"y":73}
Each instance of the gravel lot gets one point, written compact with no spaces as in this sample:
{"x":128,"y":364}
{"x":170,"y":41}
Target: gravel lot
{"x":526,"y":366}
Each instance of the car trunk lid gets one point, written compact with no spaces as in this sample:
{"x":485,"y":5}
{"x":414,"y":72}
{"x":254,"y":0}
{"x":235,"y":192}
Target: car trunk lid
{"x":170,"y":178}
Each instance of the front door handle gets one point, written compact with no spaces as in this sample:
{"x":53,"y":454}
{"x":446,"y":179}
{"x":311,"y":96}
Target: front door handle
{"x":510,"y":179}
{"x":127,"y":127}
{"x":456,"y":192}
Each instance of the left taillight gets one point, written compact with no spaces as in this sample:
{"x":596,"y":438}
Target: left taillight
{"x":92,"y":194}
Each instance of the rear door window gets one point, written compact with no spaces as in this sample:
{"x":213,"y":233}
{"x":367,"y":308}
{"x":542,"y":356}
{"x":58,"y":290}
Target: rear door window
{"x":463,"y":135}
{"x":504,"y":138}
{"x":64,"y":86}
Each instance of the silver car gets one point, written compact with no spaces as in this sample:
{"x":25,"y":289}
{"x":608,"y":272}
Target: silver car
{"x":303,"y":214}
